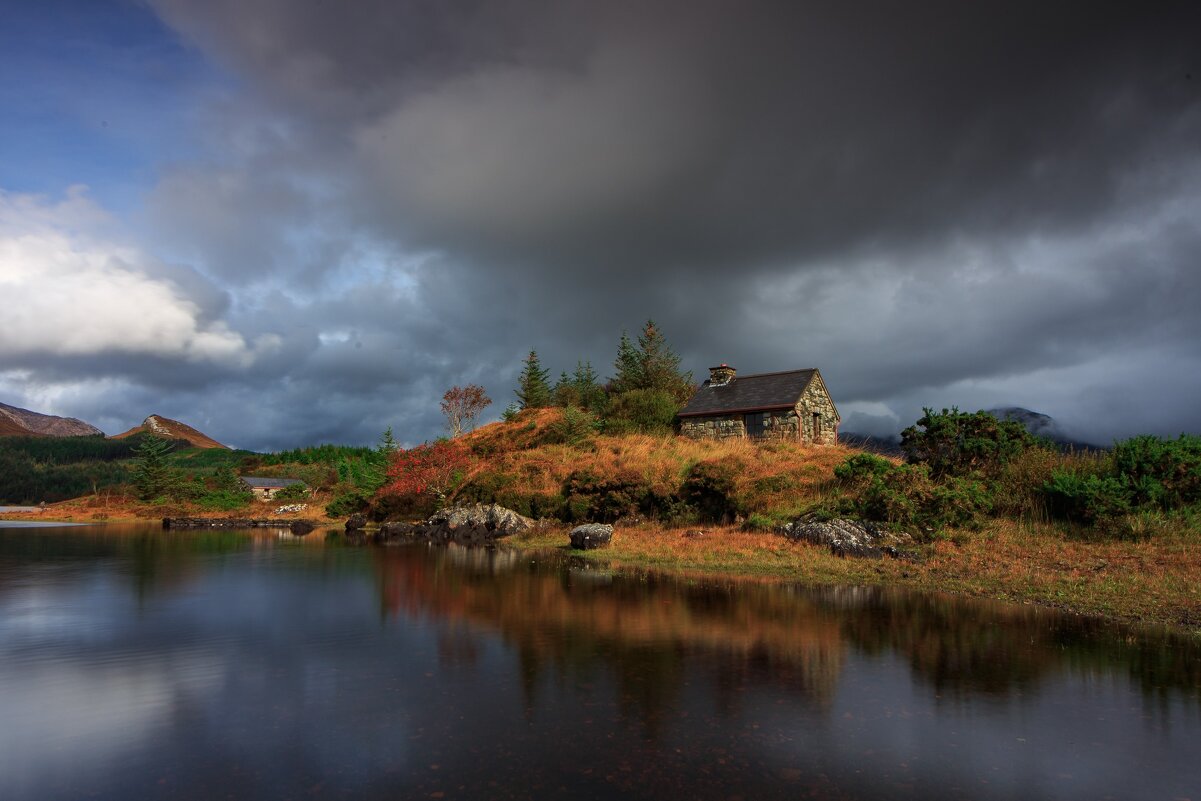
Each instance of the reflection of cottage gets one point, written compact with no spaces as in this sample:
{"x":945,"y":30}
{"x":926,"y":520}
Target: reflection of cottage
{"x":789,"y":405}
{"x":265,"y":488}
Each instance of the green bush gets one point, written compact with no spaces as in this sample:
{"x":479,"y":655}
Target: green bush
{"x":293,"y":492}
{"x":1164,"y":473}
{"x":1085,"y":497}
{"x":503,"y":489}
{"x":645,"y":411}
{"x":223,"y":500}
{"x":709,"y":488}
{"x":590,"y":498}
{"x":955,"y":443}
{"x":907,"y":497}
{"x":347,"y":504}
{"x":573,"y":428}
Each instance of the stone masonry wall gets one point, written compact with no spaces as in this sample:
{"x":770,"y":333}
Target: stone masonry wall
{"x":788,"y":424}
{"x":776,"y":425}
{"x":722,"y":427}
{"x":816,"y":400}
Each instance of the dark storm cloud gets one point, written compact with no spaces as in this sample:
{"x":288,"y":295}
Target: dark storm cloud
{"x":921,"y":199}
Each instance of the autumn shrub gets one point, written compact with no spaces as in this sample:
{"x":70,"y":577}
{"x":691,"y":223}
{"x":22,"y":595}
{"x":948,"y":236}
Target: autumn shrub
{"x":424,"y":476}
{"x":1018,"y":486}
{"x":709,"y":488}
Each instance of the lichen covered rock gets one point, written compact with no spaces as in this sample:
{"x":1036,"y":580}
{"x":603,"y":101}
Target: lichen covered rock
{"x":591,"y":535}
{"x":846,"y":537}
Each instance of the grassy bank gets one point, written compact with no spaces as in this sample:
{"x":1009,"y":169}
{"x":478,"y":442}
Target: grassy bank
{"x":1152,"y":581}
{"x":1142,"y":567}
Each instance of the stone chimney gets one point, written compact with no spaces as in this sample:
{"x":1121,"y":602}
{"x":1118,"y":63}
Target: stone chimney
{"x":721,"y":375}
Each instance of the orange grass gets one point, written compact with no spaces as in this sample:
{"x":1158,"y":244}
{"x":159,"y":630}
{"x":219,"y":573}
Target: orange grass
{"x":780,"y":476}
{"x":1157,"y":581}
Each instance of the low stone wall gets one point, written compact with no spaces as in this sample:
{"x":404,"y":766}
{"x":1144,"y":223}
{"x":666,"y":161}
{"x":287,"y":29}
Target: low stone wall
{"x":230,"y":522}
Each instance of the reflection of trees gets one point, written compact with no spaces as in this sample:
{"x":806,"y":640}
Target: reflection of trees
{"x":644,"y":633}
{"x":963,"y":646}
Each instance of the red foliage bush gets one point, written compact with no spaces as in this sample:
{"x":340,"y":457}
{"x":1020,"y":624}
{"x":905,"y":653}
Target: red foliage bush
{"x":427,"y":469}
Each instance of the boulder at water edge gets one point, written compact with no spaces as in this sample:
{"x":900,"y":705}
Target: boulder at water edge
{"x":845,"y":537}
{"x":591,"y":535}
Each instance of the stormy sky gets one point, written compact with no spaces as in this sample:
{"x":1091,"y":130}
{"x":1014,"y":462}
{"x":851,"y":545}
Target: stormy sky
{"x":293,"y":221}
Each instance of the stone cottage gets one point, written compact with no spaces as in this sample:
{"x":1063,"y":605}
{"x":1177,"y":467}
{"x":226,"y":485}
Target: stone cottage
{"x":265,"y":489}
{"x":789,"y":405}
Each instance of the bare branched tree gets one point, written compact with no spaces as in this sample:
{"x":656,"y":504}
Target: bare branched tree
{"x":462,"y":407}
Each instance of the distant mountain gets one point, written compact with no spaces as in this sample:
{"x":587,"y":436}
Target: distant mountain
{"x":15,"y":421}
{"x":888,"y":446}
{"x":1041,"y":425}
{"x":1038,"y":424}
{"x":171,"y":429}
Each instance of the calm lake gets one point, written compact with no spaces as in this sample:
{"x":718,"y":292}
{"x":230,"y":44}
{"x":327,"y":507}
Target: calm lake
{"x":138,"y":664}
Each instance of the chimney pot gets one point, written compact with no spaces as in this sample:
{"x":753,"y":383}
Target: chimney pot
{"x":721,"y":375}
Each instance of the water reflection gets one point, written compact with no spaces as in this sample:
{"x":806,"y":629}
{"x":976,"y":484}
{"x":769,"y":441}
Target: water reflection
{"x":221,"y":664}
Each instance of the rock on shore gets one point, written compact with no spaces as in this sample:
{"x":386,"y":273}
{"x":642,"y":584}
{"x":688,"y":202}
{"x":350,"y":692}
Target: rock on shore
{"x":590,"y":536}
{"x":846,"y":537}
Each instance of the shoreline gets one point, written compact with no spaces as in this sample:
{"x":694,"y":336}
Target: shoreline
{"x":1156,"y":582}
{"x":1085,"y":579}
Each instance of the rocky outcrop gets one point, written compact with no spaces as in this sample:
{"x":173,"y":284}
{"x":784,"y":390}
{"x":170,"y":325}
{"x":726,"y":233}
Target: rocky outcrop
{"x":490,"y":516}
{"x":591,"y":535}
{"x":478,"y":524}
{"x":167,"y":428}
{"x":356,"y":522}
{"x":846,"y":537}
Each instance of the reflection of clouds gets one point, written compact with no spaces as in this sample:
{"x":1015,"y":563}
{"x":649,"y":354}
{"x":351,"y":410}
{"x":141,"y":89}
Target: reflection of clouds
{"x":66,"y":719}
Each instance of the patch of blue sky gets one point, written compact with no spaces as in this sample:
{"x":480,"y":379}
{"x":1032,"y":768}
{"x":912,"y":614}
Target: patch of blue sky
{"x":96,"y":93}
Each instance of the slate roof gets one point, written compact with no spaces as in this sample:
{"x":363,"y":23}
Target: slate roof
{"x":254,"y":482}
{"x":750,"y":393}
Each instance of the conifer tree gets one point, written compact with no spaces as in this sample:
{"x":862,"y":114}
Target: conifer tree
{"x":565,"y":393}
{"x":628,"y":366}
{"x":533,"y":385}
{"x":652,"y":365}
{"x":587,"y":387}
{"x":660,"y":366}
{"x":151,"y":475}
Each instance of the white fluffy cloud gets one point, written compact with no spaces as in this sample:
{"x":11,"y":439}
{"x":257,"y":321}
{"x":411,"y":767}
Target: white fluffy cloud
{"x":69,"y":290}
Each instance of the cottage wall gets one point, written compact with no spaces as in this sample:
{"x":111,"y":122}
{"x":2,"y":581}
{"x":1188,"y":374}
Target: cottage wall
{"x":816,"y":400}
{"x":784,"y":424}
{"x":795,"y":423}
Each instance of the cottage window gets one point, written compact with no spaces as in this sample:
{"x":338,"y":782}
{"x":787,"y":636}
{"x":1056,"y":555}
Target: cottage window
{"x":817,"y":426}
{"x":755,"y":424}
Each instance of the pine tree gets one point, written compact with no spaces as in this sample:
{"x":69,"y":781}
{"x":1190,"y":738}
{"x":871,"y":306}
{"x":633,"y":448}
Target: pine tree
{"x":652,"y":365}
{"x":533,"y":385}
{"x":660,"y":366}
{"x":588,"y":389}
{"x":628,"y":366}
{"x":565,"y":393}
{"x":151,"y":475}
